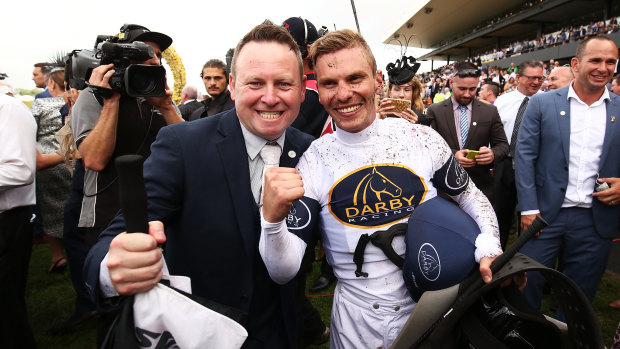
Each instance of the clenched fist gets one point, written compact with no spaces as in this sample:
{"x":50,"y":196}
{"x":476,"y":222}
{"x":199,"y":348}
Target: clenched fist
{"x":282,"y":186}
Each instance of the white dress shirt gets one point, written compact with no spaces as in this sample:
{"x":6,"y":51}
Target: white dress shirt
{"x":508,"y":105}
{"x":18,"y":132}
{"x":587,"y":132}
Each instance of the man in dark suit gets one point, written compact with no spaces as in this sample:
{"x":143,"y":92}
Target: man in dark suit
{"x":467,"y":124}
{"x":204,"y":182}
{"x":566,"y":150}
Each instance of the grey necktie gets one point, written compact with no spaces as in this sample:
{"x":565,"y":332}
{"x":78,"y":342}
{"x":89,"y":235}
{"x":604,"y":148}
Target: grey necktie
{"x":515,"y":130}
{"x":270,"y":154}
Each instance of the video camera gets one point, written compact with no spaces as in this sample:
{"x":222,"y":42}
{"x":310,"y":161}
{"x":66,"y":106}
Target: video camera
{"x":134,"y":80}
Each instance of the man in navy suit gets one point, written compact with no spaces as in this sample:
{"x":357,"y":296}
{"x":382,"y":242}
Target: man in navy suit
{"x":204,"y":181}
{"x":566,"y":149}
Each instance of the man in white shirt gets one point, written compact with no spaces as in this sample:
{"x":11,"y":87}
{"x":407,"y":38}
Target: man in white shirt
{"x":511,"y":107}
{"x":17,"y":194}
{"x":367,"y":176}
{"x":567,"y":170}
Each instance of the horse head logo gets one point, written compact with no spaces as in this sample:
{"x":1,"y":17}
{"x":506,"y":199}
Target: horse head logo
{"x":377,"y":184}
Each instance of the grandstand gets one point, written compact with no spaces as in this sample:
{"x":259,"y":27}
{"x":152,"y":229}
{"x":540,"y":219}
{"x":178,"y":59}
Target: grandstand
{"x":501,"y":32}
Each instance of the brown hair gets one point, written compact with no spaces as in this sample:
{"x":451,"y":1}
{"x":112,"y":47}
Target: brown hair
{"x":214,"y":63}
{"x":268,"y":32}
{"x":528,"y":64}
{"x":58,"y":76}
{"x":338,"y":40}
{"x":582,"y":46}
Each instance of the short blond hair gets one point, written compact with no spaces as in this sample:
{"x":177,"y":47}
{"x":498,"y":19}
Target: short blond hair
{"x":338,"y":40}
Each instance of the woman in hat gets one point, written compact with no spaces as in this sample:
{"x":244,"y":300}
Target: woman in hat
{"x":404,"y":85}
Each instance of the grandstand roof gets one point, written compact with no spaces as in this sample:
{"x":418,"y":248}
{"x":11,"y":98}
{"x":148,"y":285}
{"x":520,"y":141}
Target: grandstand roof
{"x":446,"y":25}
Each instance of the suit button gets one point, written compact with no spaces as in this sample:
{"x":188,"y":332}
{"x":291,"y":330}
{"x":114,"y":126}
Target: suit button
{"x":376,"y":306}
{"x":244,"y":297}
{"x":562,"y":190}
{"x":565,"y":168}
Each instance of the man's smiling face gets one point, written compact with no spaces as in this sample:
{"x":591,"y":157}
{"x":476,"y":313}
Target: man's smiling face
{"x":347,"y":86}
{"x":267,"y":88}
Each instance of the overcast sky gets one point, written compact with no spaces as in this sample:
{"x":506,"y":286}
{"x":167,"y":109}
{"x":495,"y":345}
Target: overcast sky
{"x":33,"y":31}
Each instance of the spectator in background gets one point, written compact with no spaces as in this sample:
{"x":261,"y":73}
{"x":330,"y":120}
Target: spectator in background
{"x":39,"y":76}
{"x":53,"y":178}
{"x":403,"y":84}
{"x":511,"y":107}
{"x":560,"y":77}
{"x":18,"y":132}
{"x":615,"y":88}
{"x":189,"y":102}
{"x":440,"y":97}
{"x":216,"y":83}
{"x":511,"y":84}
{"x":467,"y":124}
{"x":489,"y":92}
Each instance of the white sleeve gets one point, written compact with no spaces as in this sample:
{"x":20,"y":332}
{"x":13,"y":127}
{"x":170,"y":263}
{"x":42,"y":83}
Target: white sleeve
{"x":105,"y":283}
{"x":18,"y":152}
{"x":281,"y":250}
{"x":448,"y":172}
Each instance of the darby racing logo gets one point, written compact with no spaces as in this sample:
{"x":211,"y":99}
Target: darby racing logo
{"x":428,"y":261}
{"x":376,"y":195}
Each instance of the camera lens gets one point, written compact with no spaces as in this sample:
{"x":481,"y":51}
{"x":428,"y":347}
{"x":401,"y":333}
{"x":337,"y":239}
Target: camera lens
{"x":145,"y":80}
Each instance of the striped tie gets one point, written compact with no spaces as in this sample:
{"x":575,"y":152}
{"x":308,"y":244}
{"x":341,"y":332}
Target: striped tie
{"x":515,"y":130}
{"x":464,"y":125}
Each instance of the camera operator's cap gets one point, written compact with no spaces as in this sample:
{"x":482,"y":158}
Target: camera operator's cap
{"x":135,"y":32}
{"x":440,"y":242}
{"x":302,"y":30}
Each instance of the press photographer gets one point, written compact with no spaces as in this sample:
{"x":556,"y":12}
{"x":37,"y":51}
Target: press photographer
{"x":116,"y":124}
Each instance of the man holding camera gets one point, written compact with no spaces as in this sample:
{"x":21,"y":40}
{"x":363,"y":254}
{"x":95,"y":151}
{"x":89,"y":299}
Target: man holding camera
{"x":105,"y":128}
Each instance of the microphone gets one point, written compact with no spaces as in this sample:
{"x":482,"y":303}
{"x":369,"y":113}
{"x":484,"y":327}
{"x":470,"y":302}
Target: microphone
{"x":132,"y":193}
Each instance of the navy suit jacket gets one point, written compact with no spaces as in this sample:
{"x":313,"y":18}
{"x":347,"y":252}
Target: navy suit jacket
{"x":198,"y":183}
{"x":542,"y":156}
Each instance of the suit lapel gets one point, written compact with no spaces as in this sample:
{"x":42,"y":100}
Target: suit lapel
{"x":291,"y":152}
{"x":613,"y":112}
{"x":449,"y":117}
{"x":233,"y":155}
{"x":562,"y":115}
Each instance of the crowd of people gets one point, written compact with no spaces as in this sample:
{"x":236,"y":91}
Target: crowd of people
{"x":563,"y":36}
{"x":299,"y":141}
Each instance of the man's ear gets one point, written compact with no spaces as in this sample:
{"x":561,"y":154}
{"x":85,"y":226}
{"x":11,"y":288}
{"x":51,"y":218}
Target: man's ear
{"x":378,"y":82}
{"x":574,"y":64}
{"x":231,"y":86}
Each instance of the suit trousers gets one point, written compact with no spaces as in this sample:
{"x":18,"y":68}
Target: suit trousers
{"x":15,"y":251}
{"x":505,"y":197}
{"x":573,"y":239}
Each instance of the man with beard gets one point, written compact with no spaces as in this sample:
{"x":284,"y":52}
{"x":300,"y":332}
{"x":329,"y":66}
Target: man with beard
{"x":216,"y":83}
{"x":467,"y":124}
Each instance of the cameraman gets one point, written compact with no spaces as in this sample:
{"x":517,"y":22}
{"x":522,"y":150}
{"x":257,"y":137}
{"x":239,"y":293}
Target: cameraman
{"x":105,"y":128}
